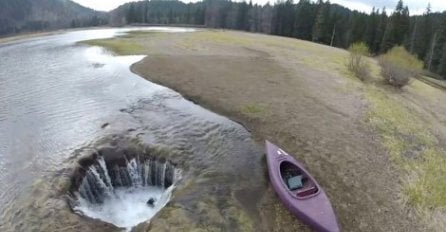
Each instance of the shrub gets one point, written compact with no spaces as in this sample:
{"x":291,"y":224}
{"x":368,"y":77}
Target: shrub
{"x":357,"y":62}
{"x":398,"y":66}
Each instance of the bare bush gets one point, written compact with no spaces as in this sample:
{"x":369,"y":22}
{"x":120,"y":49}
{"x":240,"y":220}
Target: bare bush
{"x":357,"y":62}
{"x":398,"y":66}
{"x":394,"y":74}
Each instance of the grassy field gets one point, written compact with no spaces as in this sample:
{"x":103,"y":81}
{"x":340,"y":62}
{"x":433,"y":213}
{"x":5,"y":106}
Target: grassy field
{"x":343,"y":129}
{"x":413,"y":147}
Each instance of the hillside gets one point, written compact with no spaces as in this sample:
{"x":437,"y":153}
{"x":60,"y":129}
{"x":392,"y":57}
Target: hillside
{"x":34,"y":15}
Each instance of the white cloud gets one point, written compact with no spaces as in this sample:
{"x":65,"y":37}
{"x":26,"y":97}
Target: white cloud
{"x":415,"y":6}
{"x":354,"y":5}
{"x":103,"y":5}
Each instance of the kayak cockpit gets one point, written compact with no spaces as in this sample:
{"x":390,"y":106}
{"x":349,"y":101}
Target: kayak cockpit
{"x":297,"y":181}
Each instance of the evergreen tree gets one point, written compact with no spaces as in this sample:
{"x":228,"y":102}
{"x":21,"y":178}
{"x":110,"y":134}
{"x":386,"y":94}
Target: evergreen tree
{"x":131,"y":14}
{"x":283,"y":18}
{"x":424,"y":34}
{"x":380,"y":30}
{"x":321,"y":28}
{"x":242,"y":17}
{"x":357,"y":27}
{"x":372,"y":28}
{"x":437,"y":58}
{"x":305,"y":18}
{"x":441,"y":69}
{"x":397,"y":28}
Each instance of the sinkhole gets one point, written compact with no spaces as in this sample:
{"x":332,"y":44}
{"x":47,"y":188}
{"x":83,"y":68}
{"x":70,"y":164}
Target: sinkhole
{"x":122,"y":187}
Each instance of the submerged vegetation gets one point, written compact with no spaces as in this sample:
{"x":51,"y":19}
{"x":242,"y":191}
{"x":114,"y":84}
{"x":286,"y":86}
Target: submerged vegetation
{"x":130,"y":43}
{"x":118,"y":46}
{"x":253,"y":110}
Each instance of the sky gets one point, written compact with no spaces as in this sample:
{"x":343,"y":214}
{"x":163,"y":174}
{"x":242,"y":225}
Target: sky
{"x":415,"y":6}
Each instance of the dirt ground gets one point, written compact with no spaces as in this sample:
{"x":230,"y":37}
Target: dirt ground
{"x":300,"y":96}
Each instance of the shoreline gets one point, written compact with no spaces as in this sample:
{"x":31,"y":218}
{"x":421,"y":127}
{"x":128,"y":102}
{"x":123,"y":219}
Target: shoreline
{"x":300,"y":96}
{"x":228,"y":76}
{"x":196,"y":100}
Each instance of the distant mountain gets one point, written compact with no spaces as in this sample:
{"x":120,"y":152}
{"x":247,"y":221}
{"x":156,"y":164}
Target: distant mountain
{"x":33,"y":15}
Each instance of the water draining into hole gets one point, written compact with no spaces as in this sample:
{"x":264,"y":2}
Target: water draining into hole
{"x":125,"y":192}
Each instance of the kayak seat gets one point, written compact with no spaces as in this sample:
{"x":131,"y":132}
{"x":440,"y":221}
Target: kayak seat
{"x":295,"y":182}
{"x":307,"y":191}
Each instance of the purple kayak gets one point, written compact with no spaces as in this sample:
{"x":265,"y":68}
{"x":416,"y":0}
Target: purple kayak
{"x":299,"y":191}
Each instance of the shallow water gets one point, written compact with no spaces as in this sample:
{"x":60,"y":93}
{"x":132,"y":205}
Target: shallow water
{"x":52,"y":99}
{"x":57,"y":97}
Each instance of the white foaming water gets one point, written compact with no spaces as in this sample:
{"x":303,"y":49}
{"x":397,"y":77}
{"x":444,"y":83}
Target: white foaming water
{"x":127,"y":207}
{"x":124,"y":203}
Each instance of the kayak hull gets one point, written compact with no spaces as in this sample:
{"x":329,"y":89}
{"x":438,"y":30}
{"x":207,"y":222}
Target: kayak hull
{"x":313,"y":209}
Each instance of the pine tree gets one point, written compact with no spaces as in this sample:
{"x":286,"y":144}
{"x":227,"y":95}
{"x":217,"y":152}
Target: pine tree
{"x":437,"y":60}
{"x":425,"y":34}
{"x":372,"y":28}
{"x":284,"y":18}
{"x":442,"y":62}
{"x":242,"y":17}
{"x":131,"y":13}
{"x":305,"y":18}
{"x":320,"y":33}
{"x":146,"y":10}
{"x":397,"y":28}
{"x":357,"y":27}
{"x":380,"y":30}
{"x":414,"y":35}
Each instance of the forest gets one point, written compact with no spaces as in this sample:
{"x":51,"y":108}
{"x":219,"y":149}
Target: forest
{"x":18,"y":16}
{"x":321,"y":22}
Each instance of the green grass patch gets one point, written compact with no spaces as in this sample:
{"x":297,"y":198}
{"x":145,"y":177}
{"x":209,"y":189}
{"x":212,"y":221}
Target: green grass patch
{"x":427,"y":185}
{"x":119,"y":46}
{"x":130,"y":43}
{"x":253,"y":109}
{"x":245,"y":224}
{"x":412,"y":146}
{"x":142,"y":34}
{"x":221,"y":37}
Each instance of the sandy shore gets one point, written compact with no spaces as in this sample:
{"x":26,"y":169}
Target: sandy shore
{"x":300,"y":95}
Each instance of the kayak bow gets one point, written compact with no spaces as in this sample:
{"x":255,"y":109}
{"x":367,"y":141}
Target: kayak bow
{"x":299,"y":191}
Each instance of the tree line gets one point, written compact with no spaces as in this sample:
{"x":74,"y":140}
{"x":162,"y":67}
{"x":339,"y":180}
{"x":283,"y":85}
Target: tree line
{"x":18,"y":16}
{"x":321,"y":22}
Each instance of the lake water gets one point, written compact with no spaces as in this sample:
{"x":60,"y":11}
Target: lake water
{"x":57,"y":97}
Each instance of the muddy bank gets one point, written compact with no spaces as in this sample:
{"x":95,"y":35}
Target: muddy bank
{"x":223,"y":173}
{"x":295,"y":94}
